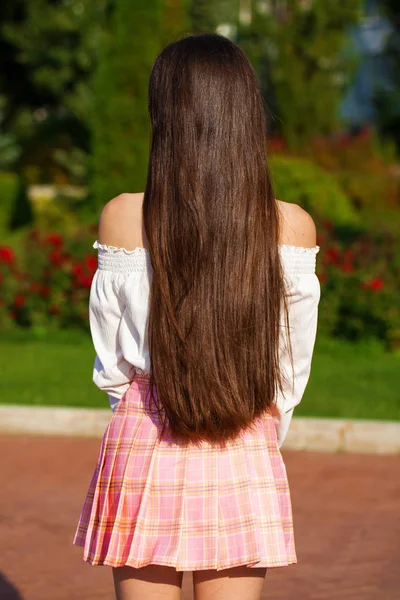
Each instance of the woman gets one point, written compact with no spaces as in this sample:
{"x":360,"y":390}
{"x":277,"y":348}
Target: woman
{"x":203,"y":314}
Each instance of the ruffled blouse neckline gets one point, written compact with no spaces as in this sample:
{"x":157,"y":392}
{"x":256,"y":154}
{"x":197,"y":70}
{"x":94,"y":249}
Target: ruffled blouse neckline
{"x":284,"y":248}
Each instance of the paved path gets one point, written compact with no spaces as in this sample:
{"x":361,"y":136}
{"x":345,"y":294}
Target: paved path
{"x":346,"y":511}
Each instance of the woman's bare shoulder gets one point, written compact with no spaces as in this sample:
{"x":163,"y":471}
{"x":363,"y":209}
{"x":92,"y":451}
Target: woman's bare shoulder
{"x":297,"y":227}
{"x":121,"y":222}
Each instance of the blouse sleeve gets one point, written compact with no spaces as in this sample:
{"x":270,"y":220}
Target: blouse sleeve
{"x":303,"y":294}
{"x":112,"y":372}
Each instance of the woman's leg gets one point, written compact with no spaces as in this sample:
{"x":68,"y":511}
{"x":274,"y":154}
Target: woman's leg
{"x":239,"y":583}
{"x":153,"y":582}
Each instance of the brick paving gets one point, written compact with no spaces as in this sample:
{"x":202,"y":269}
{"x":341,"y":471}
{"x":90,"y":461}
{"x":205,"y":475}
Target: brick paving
{"x":346,"y":512}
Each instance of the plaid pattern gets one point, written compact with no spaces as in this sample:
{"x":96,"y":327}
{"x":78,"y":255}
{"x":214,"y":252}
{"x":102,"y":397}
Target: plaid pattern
{"x":151,"y":501}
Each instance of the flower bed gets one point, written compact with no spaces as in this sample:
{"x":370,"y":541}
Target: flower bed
{"x":359,"y":273}
{"x":46,"y":285}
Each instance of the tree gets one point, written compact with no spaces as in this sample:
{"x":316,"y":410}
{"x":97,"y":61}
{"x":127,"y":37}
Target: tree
{"x":48,"y":50}
{"x":209,"y":15}
{"x":15,"y":83}
{"x":175,"y":20}
{"x":118,"y":115}
{"x":300,"y":47}
{"x":9,"y":149}
{"x":387,"y":99}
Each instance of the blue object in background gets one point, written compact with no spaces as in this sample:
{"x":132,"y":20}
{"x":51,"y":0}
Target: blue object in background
{"x":369,"y":38}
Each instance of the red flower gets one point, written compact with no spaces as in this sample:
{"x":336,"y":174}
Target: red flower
{"x":55,"y":239}
{"x":322,"y":277}
{"x":91,"y":262}
{"x":348,"y":255}
{"x":347,"y":267}
{"x":54,"y":309}
{"x":77,"y":269}
{"x":19,"y":301}
{"x":56,"y":258}
{"x":328,"y":225}
{"x":45,"y":291}
{"x":6,"y":254}
{"x":86,"y":281}
{"x":35,"y":287}
{"x":376,"y":284}
{"x":333,"y":255}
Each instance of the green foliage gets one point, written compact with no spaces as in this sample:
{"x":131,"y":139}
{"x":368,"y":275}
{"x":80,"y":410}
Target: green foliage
{"x":359,"y":270}
{"x":207,"y":15}
{"x":9,"y":148}
{"x":8,"y":194}
{"x":387,"y":102}
{"x":46,"y":283}
{"x":302,"y":182}
{"x":22,"y":213}
{"x":64,"y":211}
{"x":74,"y":162}
{"x":51,"y":48}
{"x":364,"y":166}
{"x":57,"y":42}
{"x":387,"y":99}
{"x":175,"y":20}
{"x":48,"y":53}
{"x":118,"y":117}
{"x":305,"y":45}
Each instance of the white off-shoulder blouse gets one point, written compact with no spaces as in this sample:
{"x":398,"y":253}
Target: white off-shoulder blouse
{"x":118,"y":309}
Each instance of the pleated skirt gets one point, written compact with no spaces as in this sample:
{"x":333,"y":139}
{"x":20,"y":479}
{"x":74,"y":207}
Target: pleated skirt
{"x":152,"y":501}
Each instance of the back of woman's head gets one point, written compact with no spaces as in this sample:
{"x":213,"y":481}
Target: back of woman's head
{"x":212,"y":227}
{"x":205,"y":106}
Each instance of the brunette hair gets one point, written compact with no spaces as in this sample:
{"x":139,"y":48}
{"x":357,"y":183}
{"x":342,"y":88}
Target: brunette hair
{"x":211,"y":223}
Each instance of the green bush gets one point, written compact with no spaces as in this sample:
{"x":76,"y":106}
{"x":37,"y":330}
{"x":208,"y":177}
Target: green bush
{"x":359,"y":271}
{"x":364,"y":166}
{"x":8,"y":194}
{"x":22,"y":213}
{"x":118,"y":119}
{"x":64,"y":211}
{"x":45,"y":283}
{"x":302,"y":182}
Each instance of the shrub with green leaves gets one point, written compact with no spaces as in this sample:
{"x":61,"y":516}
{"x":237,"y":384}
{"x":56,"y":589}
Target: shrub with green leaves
{"x":359,"y":271}
{"x":45,"y":283}
{"x":364,"y":166}
{"x":304,"y":50}
{"x":8,"y":194}
{"x":302,"y":182}
{"x":119,"y":118}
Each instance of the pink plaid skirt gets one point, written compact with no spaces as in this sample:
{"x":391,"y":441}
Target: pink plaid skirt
{"x":151,"y":501}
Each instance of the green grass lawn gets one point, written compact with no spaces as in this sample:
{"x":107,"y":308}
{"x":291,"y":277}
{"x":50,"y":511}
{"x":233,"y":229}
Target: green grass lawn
{"x":357,"y":381}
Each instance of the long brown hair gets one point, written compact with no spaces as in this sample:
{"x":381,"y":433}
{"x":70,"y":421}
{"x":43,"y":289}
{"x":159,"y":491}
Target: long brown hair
{"x":212,"y":229}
